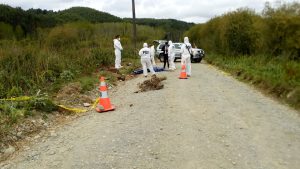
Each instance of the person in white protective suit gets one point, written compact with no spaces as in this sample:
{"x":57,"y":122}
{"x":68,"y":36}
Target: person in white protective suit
{"x":118,"y":49}
{"x":152,"y":54}
{"x":145,"y":60}
{"x":171,"y":56}
{"x":186,"y":51}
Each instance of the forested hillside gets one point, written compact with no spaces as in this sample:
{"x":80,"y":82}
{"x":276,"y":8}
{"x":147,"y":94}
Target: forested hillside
{"x":18,"y":23}
{"x":174,"y":28}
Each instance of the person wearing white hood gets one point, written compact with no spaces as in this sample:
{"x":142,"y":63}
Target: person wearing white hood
{"x":186,"y":50}
{"x":118,"y":48}
{"x":145,"y":60}
{"x":171,"y":56}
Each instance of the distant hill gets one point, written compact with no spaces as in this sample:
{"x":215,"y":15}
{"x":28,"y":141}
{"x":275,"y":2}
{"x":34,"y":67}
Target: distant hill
{"x":174,"y":28}
{"x":167,"y":24}
{"x":29,"y":20}
{"x":86,"y":14}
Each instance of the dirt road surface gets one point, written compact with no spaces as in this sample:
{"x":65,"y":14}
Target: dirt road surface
{"x":210,"y":121}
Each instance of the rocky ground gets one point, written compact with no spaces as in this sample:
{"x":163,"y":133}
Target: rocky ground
{"x":209,"y":121}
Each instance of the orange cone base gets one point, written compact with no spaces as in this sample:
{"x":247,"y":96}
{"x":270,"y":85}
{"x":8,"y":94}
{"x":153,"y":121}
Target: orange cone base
{"x":183,"y":76}
{"x":106,"y":110}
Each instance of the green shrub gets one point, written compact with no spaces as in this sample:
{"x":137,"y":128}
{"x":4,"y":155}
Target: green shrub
{"x":6,"y":31}
{"x":87,"y":83}
{"x":43,"y":104}
{"x":67,"y":75}
{"x":61,"y":37}
{"x":48,"y":76}
{"x":11,"y":113}
{"x":278,"y":76}
{"x":275,"y":32}
{"x":103,"y":56}
{"x":14,"y":92}
{"x":2,"y":90}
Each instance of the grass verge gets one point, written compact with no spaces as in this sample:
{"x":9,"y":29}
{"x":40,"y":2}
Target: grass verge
{"x":16,"y":114}
{"x":277,"y":76}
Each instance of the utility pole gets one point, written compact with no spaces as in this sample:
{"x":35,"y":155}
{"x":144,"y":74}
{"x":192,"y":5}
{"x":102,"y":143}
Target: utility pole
{"x":134,"y":25}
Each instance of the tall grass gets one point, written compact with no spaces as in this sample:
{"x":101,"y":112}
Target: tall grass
{"x":78,"y":48}
{"x":52,"y":57}
{"x":276,"y":32}
{"x":261,"y":48}
{"x":277,"y":75}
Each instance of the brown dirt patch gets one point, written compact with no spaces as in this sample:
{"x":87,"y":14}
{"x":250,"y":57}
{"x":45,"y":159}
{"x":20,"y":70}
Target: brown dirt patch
{"x":71,"y":95}
{"x":152,"y":84}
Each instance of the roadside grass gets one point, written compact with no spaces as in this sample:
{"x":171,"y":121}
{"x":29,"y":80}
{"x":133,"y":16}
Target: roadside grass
{"x":278,"y":76}
{"x":40,"y":65}
{"x":13,"y":113}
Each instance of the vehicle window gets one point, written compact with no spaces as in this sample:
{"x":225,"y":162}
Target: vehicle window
{"x":160,"y":46}
{"x":177,"y":46}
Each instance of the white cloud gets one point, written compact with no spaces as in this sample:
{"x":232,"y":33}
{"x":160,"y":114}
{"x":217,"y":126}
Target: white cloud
{"x":188,"y":10}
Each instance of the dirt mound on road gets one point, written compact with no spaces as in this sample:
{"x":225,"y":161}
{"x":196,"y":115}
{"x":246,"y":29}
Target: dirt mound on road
{"x":152,"y":84}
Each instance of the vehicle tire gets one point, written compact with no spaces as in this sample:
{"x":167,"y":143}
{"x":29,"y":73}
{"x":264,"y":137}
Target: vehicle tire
{"x":198,"y":60}
{"x":161,"y":57}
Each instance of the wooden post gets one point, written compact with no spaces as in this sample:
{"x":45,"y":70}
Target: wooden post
{"x":134,"y":24}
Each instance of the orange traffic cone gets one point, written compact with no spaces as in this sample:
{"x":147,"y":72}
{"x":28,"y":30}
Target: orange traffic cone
{"x":183,"y":72}
{"x":104,"y":104}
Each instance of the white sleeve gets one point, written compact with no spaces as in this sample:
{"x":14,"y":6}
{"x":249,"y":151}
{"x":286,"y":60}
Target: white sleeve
{"x":151,"y":53}
{"x":182,"y":48}
{"x":153,"y":50}
{"x":118,"y":45}
{"x":141,"y":52}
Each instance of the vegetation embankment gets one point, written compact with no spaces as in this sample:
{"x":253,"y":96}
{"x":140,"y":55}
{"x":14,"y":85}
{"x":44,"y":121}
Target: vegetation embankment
{"x":261,"y":48}
{"x":37,"y":60}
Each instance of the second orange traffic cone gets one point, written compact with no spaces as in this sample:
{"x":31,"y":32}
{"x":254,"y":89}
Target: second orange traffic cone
{"x":183,"y":74}
{"x":104,"y":104}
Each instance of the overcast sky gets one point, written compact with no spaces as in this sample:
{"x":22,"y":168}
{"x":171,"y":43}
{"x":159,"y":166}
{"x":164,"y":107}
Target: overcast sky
{"x":197,"y":11}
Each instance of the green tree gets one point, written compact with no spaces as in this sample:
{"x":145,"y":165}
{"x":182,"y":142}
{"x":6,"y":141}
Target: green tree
{"x":6,"y":31}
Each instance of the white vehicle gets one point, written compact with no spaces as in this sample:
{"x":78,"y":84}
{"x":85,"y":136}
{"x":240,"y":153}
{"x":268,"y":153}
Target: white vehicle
{"x":159,"y":52}
{"x":196,"y":56}
{"x":177,"y":50}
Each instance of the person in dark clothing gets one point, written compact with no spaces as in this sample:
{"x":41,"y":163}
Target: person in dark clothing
{"x":165,"y":53}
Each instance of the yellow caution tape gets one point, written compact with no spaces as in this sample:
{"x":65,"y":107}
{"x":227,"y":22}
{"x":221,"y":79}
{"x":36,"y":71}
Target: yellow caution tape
{"x":95,"y":103}
{"x":75,"y":110}
{"x":22,"y":98}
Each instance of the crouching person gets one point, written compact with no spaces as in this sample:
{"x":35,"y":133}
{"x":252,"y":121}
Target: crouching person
{"x":146,"y":60}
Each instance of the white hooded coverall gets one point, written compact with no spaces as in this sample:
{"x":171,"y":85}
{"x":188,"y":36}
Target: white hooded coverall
{"x":171,"y":55}
{"x":145,"y":60}
{"x":186,"y":50}
{"x":118,"y":48}
{"x":152,"y":54}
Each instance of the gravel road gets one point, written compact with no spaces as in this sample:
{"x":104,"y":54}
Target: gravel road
{"x":210,"y":121}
